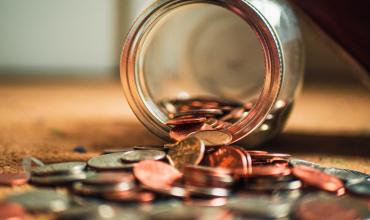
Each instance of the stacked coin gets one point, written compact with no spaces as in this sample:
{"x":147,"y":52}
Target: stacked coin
{"x":208,"y":113}
{"x":208,"y":181}
{"x":58,"y":173}
{"x":105,"y":183}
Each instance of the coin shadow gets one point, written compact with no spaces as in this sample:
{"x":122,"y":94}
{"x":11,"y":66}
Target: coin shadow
{"x":340,"y":145}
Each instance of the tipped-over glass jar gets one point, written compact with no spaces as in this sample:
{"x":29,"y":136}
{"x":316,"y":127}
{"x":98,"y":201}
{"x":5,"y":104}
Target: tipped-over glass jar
{"x":224,"y":65}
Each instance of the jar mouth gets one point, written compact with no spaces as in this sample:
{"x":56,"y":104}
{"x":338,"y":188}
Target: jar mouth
{"x":133,"y":80}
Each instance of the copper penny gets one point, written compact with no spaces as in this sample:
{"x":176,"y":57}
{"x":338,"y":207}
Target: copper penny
{"x":13,"y":179}
{"x":256,"y":152}
{"x":229,"y":157}
{"x":190,"y":120}
{"x":314,"y":177}
{"x":189,"y":151}
{"x":271,"y":171}
{"x":179,"y":133}
{"x":12,"y":211}
{"x":156,"y":174}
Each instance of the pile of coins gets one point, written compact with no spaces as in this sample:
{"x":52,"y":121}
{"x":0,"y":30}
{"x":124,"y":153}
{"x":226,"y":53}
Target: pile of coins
{"x":189,"y":116}
{"x":201,"y":176}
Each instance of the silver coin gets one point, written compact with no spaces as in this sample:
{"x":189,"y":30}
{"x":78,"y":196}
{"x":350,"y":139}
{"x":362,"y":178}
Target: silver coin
{"x":109,"y":162}
{"x":360,"y":188}
{"x":139,"y":155}
{"x":59,"y":168}
{"x":346,"y":175}
{"x":85,"y":189}
{"x":260,"y":207}
{"x":58,"y":179}
{"x":29,"y":161}
{"x":298,"y":162}
{"x":213,"y":138}
{"x":207,"y":191}
{"x":41,"y":201}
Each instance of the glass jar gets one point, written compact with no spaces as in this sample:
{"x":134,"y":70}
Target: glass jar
{"x":248,"y":51}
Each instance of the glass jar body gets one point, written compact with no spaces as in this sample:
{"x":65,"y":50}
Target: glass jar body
{"x":246,"y":51}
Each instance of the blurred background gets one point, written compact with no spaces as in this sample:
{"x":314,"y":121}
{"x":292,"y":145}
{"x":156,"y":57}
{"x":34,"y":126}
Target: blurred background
{"x":84,"y":38}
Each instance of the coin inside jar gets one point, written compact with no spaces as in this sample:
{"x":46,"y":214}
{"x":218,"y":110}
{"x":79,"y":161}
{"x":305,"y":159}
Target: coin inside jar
{"x":139,"y":155}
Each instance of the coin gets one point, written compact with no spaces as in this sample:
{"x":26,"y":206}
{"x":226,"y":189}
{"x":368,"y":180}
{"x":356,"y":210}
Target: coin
{"x":107,"y":178}
{"x":59,"y":168}
{"x":256,"y":152}
{"x":41,"y":200}
{"x":109,"y":162}
{"x":85,"y":189}
{"x":156,"y":174}
{"x":150,"y":147}
{"x":259,"y":207}
{"x":139,"y":155}
{"x":129,"y":196}
{"x":174,"y":191}
{"x":314,"y":177}
{"x":13,"y":179}
{"x":189,"y":151}
{"x":298,"y":162}
{"x":199,"y":112}
{"x":207,"y":202}
{"x":207,"y":191}
{"x":270,"y":171}
{"x":229,"y":157}
{"x":181,"y":121}
{"x":208,"y":176}
{"x":273,"y":184}
{"x":58,"y":179}
{"x":360,"y":188}
{"x":12,"y":211}
{"x":179,"y":133}
{"x":213,"y":138}
{"x":345,"y":175}
{"x":322,"y":206}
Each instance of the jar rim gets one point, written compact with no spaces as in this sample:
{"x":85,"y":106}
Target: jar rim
{"x":147,"y":112}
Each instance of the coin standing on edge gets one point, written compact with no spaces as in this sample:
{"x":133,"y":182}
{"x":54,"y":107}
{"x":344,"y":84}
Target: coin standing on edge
{"x":189,"y":151}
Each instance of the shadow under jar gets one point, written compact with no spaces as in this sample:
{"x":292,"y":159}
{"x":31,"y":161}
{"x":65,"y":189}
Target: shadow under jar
{"x":248,"y":53}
